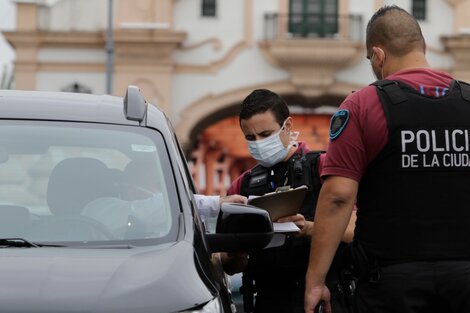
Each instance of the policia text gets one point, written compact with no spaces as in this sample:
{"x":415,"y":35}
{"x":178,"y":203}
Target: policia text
{"x":426,"y":148}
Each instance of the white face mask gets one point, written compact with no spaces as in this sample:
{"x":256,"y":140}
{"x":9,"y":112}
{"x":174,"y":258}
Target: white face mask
{"x":270,"y":151}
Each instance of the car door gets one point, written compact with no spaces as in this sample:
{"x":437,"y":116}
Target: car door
{"x":213,"y":268}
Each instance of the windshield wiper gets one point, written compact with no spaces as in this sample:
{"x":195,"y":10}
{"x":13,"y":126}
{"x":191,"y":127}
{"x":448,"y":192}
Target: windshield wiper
{"x":40,"y":245}
{"x":16,"y":243}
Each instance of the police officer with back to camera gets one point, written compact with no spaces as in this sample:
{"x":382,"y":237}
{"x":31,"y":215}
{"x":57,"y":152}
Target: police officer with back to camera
{"x":277,"y":274}
{"x":401,"y":145}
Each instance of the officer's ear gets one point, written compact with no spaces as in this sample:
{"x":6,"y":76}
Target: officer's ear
{"x":379,"y":55}
{"x":289,"y":124}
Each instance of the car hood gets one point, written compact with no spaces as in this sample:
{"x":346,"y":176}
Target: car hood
{"x":147,"y":279}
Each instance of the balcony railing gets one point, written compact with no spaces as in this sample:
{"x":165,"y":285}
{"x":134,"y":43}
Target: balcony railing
{"x":311,"y":25}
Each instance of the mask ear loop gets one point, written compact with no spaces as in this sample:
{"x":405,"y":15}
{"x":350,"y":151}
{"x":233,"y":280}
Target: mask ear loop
{"x":283,"y":124}
{"x":293,"y":139}
{"x":382,"y":69}
{"x":292,"y":136}
{"x":283,"y":127}
{"x":383,"y":64}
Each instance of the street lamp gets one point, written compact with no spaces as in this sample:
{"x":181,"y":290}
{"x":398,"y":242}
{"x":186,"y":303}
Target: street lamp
{"x":109,"y":50}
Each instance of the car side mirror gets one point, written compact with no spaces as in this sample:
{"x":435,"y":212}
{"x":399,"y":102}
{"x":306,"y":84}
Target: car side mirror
{"x":241,"y":228}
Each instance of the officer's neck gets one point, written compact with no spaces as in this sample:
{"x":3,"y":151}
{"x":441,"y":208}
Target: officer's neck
{"x":412,"y":60}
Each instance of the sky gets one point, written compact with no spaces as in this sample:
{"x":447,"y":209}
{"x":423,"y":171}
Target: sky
{"x":7,"y":22}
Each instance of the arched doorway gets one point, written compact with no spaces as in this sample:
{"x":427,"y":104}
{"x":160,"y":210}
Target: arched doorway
{"x":219,"y":152}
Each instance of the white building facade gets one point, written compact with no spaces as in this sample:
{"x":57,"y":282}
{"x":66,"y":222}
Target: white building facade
{"x":198,"y":59}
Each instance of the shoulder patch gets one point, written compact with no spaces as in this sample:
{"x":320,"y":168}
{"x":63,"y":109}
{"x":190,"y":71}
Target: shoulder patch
{"x":338,"y":122}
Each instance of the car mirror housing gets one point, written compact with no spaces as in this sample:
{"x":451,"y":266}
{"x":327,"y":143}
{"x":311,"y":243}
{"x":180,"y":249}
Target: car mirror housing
{"x":241,"y":228}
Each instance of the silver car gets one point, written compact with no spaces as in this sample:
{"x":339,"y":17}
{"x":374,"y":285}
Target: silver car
{"x":97,"y":211}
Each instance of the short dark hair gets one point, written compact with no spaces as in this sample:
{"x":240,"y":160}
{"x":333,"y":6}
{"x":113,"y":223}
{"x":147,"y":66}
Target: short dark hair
{"x":262,"y":100}
{"x":395,"y":29}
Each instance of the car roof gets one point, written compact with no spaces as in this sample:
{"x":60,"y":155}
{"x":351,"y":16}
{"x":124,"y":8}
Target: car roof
{"x":64,"y":106}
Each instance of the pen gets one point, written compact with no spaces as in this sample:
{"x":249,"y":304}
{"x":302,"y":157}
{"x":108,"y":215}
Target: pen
{"x":273,"y":183}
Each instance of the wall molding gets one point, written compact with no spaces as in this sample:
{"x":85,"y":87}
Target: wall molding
{"x":215,"y":66}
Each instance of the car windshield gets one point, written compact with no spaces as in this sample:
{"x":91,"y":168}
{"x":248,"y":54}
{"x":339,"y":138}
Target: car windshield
{"x":85,"y":184}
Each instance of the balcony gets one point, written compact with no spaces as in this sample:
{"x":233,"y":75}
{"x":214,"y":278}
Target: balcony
{"x":312,"y":47}
{"x":458,"y":45}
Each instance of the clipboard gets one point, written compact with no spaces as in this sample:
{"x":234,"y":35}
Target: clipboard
{"x":281,"y":203}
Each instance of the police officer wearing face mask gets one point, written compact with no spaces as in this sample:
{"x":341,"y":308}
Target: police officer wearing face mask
{"x":277,"y":274}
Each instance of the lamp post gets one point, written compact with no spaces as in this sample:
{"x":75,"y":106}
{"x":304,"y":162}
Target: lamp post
{"x":109,"y":50}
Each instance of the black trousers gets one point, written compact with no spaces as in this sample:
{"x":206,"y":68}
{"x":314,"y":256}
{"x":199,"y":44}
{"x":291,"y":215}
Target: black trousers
{"x":417,"y":287}
{"x":289,"y":298}
{"x":280,"y":300}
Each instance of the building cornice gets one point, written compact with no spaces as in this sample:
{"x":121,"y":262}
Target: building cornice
{"x":94,"y":39}
{"x":312,"y":63}
{"x":55,"y":39}
{"x":459,"y":47}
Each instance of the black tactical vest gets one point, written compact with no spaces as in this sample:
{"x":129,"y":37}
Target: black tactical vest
{"x":289,"y":261}
{"x":413,"y":201}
